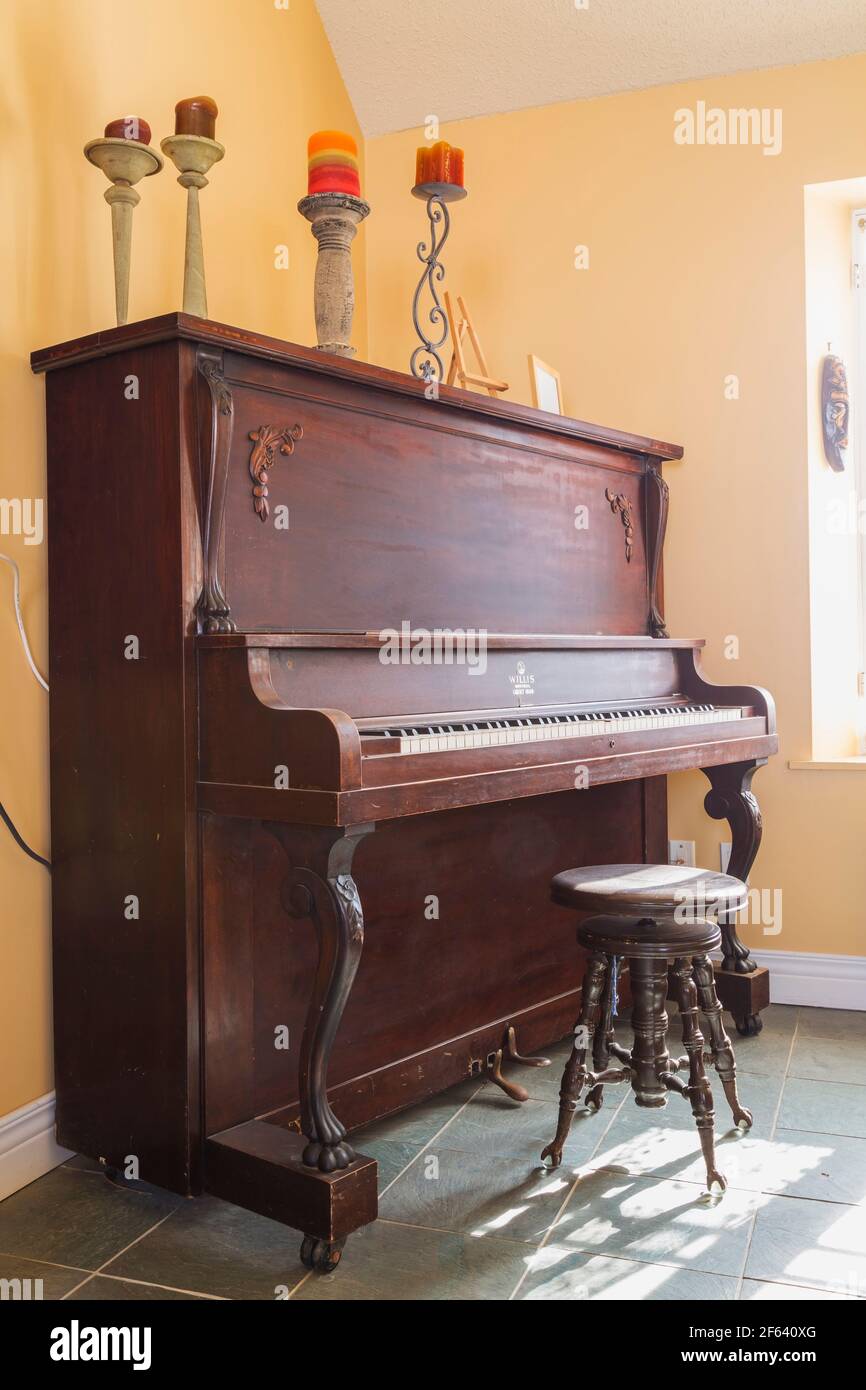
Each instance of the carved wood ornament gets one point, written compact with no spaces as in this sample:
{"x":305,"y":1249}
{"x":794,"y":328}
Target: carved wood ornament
{"x":267,"y":441}
{"x":620,"y":503}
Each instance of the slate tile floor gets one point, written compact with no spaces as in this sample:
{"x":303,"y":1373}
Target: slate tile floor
{"x":467,"y":1212}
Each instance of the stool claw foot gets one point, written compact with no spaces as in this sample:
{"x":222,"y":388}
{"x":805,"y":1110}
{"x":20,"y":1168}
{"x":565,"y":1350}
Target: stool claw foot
{"x":554,"y":1153}
{"x":717,"y":1179}
{"x":594,"y":1099}
{"x":742,"y":1118}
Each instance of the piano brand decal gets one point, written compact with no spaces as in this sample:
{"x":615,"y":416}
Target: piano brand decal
{"x":522,"y":683}
{"x":440,"y":646}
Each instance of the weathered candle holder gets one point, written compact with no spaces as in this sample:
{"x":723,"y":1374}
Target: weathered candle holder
{"x":426,"y":362}
{"x":334,"y":219}
{"x":193,"y":155}
{"x":124,"y":163}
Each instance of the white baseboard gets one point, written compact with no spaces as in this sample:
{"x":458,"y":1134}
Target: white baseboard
{"x":27,"y":1145}
{"x":806,"y":977}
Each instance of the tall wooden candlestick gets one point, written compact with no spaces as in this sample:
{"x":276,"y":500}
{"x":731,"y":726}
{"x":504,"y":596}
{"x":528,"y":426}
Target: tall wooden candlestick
{"x":124,"y":162}
{"x":194,"y":153}
{"x":334,"y":218}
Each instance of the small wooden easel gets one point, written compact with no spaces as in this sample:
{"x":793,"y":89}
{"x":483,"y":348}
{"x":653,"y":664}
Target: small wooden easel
{"x":457,"y":371}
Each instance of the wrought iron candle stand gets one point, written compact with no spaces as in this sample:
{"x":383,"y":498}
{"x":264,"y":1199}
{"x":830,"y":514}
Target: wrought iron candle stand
{"x":426,"y":362}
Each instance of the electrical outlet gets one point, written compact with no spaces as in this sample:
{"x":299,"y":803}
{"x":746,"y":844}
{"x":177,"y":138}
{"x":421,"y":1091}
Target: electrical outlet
{"x":725,"y":855}
{"x":681,"y":852}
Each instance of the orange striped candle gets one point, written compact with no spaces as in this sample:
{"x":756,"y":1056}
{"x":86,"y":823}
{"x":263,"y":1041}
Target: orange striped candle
{"x":332,"y":163}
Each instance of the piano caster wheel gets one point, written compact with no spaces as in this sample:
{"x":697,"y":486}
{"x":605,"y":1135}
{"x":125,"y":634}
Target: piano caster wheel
{"x":321,"y":1255}
{"x":750,"y":1026}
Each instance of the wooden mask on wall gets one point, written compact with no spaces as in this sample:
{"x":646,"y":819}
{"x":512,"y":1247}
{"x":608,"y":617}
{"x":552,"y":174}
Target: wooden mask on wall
{"x":835,"y":411}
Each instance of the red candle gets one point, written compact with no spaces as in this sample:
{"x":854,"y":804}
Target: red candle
{"x":439,"y":163}
{"x":196,"y":116}
{"x":128,"y":128}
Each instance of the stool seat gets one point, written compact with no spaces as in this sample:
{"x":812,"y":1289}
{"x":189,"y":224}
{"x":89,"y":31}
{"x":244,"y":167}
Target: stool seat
{"x":650,"y":940}
{"x":649,"y":890}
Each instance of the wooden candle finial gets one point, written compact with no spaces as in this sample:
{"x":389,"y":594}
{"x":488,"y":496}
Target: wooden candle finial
{"x":192,"y":149}
{"x":334,"y":219}
{"x":125,"y":157}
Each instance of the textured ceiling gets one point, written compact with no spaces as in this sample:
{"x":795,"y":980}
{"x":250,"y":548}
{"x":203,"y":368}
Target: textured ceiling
{"x":405,"y":59}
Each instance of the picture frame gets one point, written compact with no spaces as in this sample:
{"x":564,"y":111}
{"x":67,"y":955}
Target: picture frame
{"x":546,"y":386}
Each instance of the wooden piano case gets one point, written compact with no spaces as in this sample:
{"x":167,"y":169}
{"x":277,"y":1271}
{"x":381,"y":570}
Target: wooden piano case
{"x":205,"y":482}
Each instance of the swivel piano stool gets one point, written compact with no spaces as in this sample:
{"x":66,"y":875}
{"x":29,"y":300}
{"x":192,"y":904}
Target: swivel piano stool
{"x":654,"y":914}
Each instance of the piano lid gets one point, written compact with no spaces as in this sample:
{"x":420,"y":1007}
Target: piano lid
{"x":188,"y":328}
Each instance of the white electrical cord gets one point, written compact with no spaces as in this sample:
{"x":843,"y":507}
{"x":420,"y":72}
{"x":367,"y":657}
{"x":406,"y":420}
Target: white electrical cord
{"x":19,"y":618}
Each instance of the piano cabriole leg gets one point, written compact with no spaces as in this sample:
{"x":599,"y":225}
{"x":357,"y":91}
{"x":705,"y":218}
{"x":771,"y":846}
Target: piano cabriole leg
{"x":332,"y":902}
{"x":731,"y":798}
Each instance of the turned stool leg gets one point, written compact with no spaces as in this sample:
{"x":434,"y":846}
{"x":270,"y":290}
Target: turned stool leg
{"x":649,"y":1058}
{"x":604,"y":1036}
{"x":722,"y":1049}
{"x":575,"y":1067}
{"x":698,"y":1090}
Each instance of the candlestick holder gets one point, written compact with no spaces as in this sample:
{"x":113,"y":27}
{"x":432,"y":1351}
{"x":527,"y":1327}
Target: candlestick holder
{"x":193,"y":155}
{"x":426,"y":362}
{"x":124,"y":163}
{"x":334,"y":221}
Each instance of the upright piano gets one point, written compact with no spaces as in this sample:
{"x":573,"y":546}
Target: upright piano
{"x":334,"y":656}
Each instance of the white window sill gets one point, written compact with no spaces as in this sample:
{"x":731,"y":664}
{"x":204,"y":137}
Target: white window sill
{"x":856,"y":764}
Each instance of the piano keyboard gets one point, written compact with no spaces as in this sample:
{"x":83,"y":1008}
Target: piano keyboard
{"x":535,"y":728}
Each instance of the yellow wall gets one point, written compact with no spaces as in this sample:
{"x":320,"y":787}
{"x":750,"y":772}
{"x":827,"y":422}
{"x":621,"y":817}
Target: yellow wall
{"x":66,"y":70}
{"x":696,"y":272}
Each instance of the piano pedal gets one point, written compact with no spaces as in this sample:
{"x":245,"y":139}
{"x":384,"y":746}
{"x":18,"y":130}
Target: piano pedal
{"x":494,"y":1072}
{"x":514,"y":1056}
